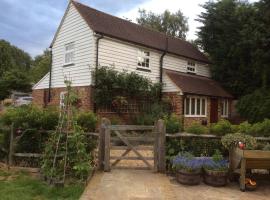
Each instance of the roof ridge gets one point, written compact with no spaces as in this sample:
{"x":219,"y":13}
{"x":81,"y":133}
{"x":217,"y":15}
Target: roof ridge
{"x":131,"y":22}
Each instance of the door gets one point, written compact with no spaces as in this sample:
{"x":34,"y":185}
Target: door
{"x":214,"y":110}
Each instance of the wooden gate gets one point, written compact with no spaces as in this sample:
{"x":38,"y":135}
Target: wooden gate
{"x":122,"y":137}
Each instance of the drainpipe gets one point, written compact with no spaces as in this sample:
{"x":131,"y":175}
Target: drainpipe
{"x":161,"y":68}
{"x":98,"y":37}
{"x":50,"y":76}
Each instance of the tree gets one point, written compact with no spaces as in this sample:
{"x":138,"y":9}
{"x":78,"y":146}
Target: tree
{"x":173,"y":24}
{"x":40,"y":66}
{"x":235,"y":37}
{"x":12,"y":57}
{"x":14,"y":80}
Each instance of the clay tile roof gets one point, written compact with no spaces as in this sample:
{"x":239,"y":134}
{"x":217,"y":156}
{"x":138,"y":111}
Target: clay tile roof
{"x":193,"y":84}
{"x":115,"y":27}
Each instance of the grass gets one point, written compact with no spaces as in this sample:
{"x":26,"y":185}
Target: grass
{"x":24,"y":187}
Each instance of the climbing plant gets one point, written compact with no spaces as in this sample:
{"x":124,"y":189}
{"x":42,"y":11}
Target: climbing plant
{"x":118,"y":87}
{"x":66,"y":153}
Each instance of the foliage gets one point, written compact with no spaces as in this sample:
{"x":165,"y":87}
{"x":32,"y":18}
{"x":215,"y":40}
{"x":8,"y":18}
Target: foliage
{"x":87,"y":120}
{"x":196,"y":146}
{"x":230,"y":141}
{"x":14,"y":65}
{"x":28,"y":122}
{"x":23,"y":186}
{"x":173,"y":123}
{"x":40,"y":66}
{"x":66,"y":150}
{"x":235,"y":34}
{"x":186,"y":161}
{"x":111,"y":83}
{"x":261,"y":128}
{"x":173,"y":24}
{"x":221,"y":128}
{"x":267,"y":147}
{"x":255,"y":106}
{"x":216,"y":163}
{"x":144,"y":119}
{"x":197,"y":128}
{"x":14,"y":79}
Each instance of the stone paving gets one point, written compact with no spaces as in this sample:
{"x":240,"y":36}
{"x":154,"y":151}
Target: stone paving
{"x":145,"y":185}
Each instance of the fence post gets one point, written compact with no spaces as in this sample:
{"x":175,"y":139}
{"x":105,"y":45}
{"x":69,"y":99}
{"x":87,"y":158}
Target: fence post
{"x":11,"y":150}
{"x":161,"y":132}
{"x":101,"y":146}
{"x":156,"y":148}
{"x":107,"y":145}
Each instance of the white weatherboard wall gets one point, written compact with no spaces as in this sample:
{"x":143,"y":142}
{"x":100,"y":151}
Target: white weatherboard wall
{"x":168,"y":84}
{"x":73,"y":29}
{"x":179,"y":64}
{"x":123,"y":57}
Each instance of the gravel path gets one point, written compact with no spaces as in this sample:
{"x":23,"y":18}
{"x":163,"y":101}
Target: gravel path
{"x":146,"y":185}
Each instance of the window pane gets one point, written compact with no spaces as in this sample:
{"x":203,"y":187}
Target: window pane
{"x":198,"y":106}
{"x":192,"y":106}
{"x":187,"y":106}
{"x":226,"y":107}
{"x":203,"y":106}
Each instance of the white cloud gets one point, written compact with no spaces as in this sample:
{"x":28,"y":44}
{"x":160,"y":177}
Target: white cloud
{"x":190,"y":8}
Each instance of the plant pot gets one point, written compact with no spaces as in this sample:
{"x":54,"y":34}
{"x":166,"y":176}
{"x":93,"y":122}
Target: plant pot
{"x":215,"y":178}
{"x":189,"y":178}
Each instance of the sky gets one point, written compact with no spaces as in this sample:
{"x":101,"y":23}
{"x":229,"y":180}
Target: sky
{"x":31,"y":24}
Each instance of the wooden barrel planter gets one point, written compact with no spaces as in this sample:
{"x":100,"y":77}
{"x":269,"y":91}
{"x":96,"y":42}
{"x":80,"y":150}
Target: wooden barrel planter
{"x":189,"y":178}
{"x":215,"y":178}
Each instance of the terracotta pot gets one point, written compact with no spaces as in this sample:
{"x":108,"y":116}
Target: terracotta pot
{"x":189,"y":178}
{"x":215,"y":178}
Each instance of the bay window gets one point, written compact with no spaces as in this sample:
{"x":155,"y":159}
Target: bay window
{"x":195,"y":106}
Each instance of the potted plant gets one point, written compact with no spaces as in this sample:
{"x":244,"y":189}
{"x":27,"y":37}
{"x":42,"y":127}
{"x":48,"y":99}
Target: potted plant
{"x":215,"y":170}
{"x":188,"y":168}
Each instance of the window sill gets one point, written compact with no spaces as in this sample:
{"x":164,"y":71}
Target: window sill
{"x":68,"y":64}
{"x":143,"y":69}
{"x":225,"y":116}
{"x":195,"y":116}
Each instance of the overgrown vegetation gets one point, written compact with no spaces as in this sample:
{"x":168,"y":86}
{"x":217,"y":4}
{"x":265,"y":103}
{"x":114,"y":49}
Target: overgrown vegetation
{"x":197,"y":128}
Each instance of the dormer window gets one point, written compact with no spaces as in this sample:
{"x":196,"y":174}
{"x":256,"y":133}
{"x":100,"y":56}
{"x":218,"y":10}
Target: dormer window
{"x":143,"y":59}
{"x":191,"y":67}
{"x":69,"y":53}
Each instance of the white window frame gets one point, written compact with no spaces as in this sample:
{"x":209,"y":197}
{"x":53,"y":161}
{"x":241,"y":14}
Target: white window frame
{"x":191,"y":65}
{"x":62,"y":99}
{"x":141,"y":58}
{"x":69,"y":52}
{"x":196,"y":105}
{"x":224,"y":108}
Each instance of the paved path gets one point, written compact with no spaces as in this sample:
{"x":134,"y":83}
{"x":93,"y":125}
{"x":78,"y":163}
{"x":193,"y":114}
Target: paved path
{"x":144,"y":185}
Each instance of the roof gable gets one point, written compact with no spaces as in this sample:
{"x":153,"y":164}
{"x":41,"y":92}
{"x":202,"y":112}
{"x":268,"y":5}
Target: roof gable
{"x":115,"y":27}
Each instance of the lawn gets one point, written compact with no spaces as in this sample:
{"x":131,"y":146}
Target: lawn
{"x":21,"y":186}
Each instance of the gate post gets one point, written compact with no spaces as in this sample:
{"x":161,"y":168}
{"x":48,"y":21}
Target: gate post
{"x":160,"y":151}
{"x":101,"y":149}
{"x":107,"y":146}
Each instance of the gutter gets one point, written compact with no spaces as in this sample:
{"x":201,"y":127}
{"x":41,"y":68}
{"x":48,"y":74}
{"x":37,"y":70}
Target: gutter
{"x":50,"y":77}
{"x":99,"y":37}
{"x":161,"y":67}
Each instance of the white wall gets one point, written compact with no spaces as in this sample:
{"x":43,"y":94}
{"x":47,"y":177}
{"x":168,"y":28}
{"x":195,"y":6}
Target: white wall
{"x":73,"y":29}
{"x":123,"y":56}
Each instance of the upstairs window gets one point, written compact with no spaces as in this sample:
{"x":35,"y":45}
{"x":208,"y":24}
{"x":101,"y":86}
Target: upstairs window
{"x":191,"y":67}
{"x":225,"y":108}
{"x":69,"y":53}
{"x":195,"y":106}
{"x":143,"y":59}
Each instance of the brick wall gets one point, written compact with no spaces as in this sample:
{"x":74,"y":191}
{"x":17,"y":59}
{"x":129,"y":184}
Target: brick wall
{"x":84,"y":93}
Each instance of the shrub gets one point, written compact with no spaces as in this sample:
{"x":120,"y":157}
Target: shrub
{"x":230,"y":141}
{"x":255,"y":106}
{"x":221,"y":128}
{"x":197,"y":128}
{"x":244,"y":127}
{"x":261,"y":128}
{"x":87,"y":120}
{"x":173,"y":124}
{"x":144,"y":119}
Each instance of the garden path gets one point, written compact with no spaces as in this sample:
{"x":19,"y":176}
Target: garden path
{"x":145,"y":185}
